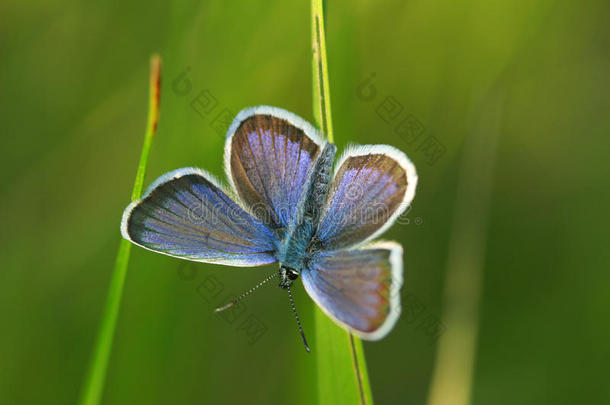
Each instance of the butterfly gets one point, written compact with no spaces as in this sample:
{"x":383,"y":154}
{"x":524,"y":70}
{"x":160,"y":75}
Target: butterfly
{"x":285,"y":204}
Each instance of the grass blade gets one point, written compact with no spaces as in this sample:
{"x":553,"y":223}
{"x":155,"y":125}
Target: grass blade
{"x":342,"y":374}
{"x":92,"y":389}
{"x":321,"y":88}
{"x":456,"y":352}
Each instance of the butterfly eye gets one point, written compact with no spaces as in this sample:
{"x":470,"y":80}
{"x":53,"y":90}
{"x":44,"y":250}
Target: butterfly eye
{"x":292,"y":274}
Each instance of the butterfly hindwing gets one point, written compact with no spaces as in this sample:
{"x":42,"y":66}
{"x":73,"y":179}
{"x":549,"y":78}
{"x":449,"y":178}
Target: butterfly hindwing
{"x":373,"y":185}
{"x":358,"y":288}
{"x":186,"y":214}
{"x":269,"y":155}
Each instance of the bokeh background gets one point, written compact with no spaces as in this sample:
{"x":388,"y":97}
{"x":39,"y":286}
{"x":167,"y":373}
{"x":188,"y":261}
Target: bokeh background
{"x":528,"y":80}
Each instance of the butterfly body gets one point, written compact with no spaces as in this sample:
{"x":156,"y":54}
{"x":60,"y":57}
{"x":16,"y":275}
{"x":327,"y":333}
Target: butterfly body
{"x":296,"y":249}
{"x":285,"y":204}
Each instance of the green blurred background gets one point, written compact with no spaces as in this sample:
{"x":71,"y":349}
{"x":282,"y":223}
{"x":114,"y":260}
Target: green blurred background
{"x":73,"y":100}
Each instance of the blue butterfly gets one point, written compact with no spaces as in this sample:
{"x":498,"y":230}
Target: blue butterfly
{"x":285,"y":205}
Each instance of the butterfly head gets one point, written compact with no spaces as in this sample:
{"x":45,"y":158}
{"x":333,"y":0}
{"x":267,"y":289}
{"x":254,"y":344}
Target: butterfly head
{"x":287,"y":276}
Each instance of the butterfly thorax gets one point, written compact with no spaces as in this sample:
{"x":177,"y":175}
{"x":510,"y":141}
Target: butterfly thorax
{"x":294,"y":251}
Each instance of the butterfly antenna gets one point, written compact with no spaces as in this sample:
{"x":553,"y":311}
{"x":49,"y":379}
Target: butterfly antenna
{"x":245,"y":294}
{"x":294,"y":310}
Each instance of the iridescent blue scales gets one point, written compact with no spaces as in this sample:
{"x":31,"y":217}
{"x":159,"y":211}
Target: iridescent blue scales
{"x":284,"y":204}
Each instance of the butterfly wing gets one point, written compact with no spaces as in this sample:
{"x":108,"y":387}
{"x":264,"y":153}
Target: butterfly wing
{"x":373,"y":185}
{"x":269,"y":155}
{"x":358,"y":288}
{"x":186,"y":214}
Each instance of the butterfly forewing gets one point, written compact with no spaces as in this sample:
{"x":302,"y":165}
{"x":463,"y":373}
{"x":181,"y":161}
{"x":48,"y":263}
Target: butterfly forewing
{"x":187,"y":215}
{"x":372,"y":186}
{"x":358,"y":288}
{"x":268,"y":157}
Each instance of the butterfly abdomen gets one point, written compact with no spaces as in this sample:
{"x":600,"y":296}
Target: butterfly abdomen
{"x":317,"y":190}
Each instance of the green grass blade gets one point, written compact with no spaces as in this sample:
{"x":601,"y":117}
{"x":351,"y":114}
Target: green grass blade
{"x":93,"y":386}
{"x":321,"y":89}
{"x":454,"y":367}
{"x":342,"y":374}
